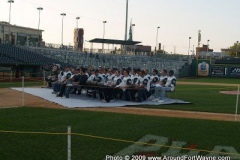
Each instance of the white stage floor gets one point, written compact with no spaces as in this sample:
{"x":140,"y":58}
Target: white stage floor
{"x":76,"y":101}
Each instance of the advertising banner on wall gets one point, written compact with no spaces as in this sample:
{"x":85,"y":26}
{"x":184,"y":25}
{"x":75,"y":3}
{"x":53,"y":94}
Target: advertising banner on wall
{"x":203,"y":69}
{"x":234,"y":71}
{"x":219,"y":71}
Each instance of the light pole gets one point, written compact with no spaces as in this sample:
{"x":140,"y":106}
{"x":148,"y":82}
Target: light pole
{"x":126,"y":23}
{"x":104,"y":22}
{"x":156,"y":40}
{"x":237,"y":49}
{"x":189,"y":40}
{"x":62,"y":14}
{"x":40,"y":9}
{"x":77,"y":18}
{"x":133,"y":25}
{"x":207,"y":47}
{"x":193,"y":52}
{"x":10,"y":1}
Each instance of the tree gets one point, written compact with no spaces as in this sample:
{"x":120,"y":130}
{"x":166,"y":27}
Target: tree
{"x":234,"y":50}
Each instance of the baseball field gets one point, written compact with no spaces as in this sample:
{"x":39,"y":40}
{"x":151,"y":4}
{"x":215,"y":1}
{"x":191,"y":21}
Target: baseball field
{"x":204,"y":129}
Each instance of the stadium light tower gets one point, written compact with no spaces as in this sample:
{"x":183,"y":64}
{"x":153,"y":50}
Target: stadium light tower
{"x":126,"y":24}
{"x":207,"y":47}
{"x":133,"y":25}
{"x":189,"y":39}
{"x":62,"y":14}
{"x":10,"y":7}
{"x":39,"y":9}
{"x":157,"y":38}
{"x":77,"y":18}
{"x":104,"y":22}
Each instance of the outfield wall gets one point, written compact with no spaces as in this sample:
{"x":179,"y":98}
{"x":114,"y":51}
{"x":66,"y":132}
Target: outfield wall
{"x":204,"y":68}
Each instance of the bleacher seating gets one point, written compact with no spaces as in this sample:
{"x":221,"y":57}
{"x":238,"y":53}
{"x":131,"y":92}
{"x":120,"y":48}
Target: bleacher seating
{"x":8,"y":61}
{"x":111,"y":60}
{"x":14,"y":55}
{"x":47,"y":56}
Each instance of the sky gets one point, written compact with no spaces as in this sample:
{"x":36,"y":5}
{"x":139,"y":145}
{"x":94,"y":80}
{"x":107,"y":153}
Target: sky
{"x":178,"y":20}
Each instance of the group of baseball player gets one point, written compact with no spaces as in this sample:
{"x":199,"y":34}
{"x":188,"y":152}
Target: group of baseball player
{"x":111,"y":83}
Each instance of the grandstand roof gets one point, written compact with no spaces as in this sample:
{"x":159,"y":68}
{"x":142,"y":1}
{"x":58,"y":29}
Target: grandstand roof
{"x":114,"y":41}
{"x":21,"y":27}
{"x":213,"y":53}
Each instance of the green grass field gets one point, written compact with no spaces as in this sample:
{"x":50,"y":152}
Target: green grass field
{"x":19,"y":84}
{"x":211,"y":80}
{"x":204,"y":134}
{"x":203,"y":98}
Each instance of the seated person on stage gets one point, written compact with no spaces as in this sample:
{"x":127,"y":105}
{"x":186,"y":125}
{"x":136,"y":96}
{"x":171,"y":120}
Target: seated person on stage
{"x":147,"y":73}
{"x":107,"y":92}
{"x":134,"y":76}
{"x":163,"y":77}
{"x":108,"y":72}
{"x":169,"y":87}
{"x":110,"y":75}
{"x":92,"y":76}
{"x":141,"y":89}
{"x":74,"y":78}
{"x":75,"y":85}
{"x":99,"y":78}
{"x":154,"y":78}
{"x":125,"y":84}
{"x":96,"y":80}
{"x":87,"y":71}
{"x":67,"y":74}
{"x":53,"y":77}
{"x":59,"y":80}
{"x":101,"y":71}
